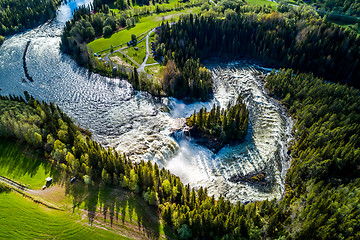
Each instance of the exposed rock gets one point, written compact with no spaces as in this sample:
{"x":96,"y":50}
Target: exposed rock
{"x":259,"y":179}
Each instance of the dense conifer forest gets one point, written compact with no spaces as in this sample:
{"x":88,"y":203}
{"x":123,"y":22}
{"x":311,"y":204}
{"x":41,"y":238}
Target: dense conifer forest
{"x":294,"y":39}
{"x":348,"y":7}
{"x":18,"y":15}
{"x":220,"y":125}
{"x":322,"y":190}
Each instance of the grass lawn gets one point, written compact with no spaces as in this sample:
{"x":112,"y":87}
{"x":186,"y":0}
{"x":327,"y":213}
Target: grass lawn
{"x":261,"y":2}
{"x":21,"y":218}
{"x":120,"y":209}
{"x":144,"y":24}
{"x":153,"y":70}
{"x":23,"y":168}
{"x":151,"y":59}
{"x":119,"y":59}
{"x":137,"y":55}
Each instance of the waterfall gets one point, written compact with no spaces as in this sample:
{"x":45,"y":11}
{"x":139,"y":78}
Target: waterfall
{"x":132,"y":122}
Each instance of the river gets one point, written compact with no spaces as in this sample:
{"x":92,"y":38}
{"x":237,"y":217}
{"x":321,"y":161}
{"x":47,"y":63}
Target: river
{"x":133,"y":122}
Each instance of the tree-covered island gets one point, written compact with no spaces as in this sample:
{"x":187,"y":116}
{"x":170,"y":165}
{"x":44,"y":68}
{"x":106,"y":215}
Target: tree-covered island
{"x":218,"y":127}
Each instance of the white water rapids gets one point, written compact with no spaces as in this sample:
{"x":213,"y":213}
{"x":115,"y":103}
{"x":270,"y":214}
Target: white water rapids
{"x":132,"y":122}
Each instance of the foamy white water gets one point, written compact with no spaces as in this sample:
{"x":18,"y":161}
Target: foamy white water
{"x":132,"y":122}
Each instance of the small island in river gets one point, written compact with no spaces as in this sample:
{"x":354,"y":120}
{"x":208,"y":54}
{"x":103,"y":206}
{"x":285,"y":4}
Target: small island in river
{"x":219,"y":127}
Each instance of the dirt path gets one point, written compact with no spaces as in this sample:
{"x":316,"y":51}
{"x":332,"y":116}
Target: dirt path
{"x":15,"y":184}
{"x":29,"y":193}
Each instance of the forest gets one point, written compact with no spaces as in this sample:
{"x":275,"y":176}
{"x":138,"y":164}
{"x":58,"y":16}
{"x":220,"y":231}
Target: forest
{"x":220,"y":125}
{"x":18,"y":15}
{"x":293,"y":39}
{"x":322,"y":186}
{"x":193,"y":82}
{"x":348,"y":7}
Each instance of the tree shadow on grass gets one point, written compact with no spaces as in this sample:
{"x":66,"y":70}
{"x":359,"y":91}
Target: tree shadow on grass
{"x":17,"y":161}
{"x":116,"y":208}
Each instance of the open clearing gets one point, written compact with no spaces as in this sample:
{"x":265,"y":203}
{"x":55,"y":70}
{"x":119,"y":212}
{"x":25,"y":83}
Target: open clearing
{"x":144,"y":24}
{"x":262,"y":2}
{"x":119,"y":61}
{"x":86,"y":212}
{"x":137,"y":55}
{"x":27,"y":220}
{"x":23,"y":167}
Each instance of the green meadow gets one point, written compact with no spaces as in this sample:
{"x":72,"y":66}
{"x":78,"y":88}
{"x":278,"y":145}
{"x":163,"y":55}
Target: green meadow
{"x":137,"y":55}
{"x":24,"y":166}
{"x":21,"y":218}
{"x":89,"y":211}
{"x":144,"y":24}
{"x":261,"y":2}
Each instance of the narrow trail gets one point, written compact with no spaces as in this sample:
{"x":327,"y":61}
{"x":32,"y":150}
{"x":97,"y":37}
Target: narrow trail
{"x":141,"y":67}
{"x":14,"y":184}
{"x":26,"y":192}
{"x":143,"y":64}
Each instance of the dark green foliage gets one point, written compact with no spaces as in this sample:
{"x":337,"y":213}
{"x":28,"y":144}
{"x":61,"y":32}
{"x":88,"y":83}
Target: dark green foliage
{"x":83,"y":28}
{"x":324,"y":178}
{"x":2,"y":39}
{"x":4,"y":188}
{"x":349,"y":7}
{"x":322,"y":197}
{"x":229,"y":125}
{"x":18,"y":15}
{"x":192,"y":82}
{"x":294,"y":39}
{"x":328,"y":117}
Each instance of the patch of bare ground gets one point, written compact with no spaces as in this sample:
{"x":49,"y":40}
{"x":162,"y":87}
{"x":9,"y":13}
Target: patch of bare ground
{"x":120,"y":61}
{"x":54,"y":194}
{"x":119,"y":214}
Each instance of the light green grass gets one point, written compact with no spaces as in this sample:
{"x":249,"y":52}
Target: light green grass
{"x":144,"y":24}
{"x":125,"y":59}
{"x":21,"y":218}
{"x":22,"y":168}
{"x":153,"y":70}
{"x":126,"y":206}
{"x":261,"y":2}
{"x":151,"y":59}
{"x":137,"y":55}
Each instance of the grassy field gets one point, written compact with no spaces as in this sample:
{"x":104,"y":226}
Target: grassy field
{"x":151,"y":58}
{"x":261,"y":2}
{"x":137,"y":55}
{"x":91,"y":212}
{"x":153,"y":70}
{"x":23,"y":219}
{"x":123,"y":60}
{"x":120,"y":209}
{"x":23,"y":168}
{"x":144,"y":24}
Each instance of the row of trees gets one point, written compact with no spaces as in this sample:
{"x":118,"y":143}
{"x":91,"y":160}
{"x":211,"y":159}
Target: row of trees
{"x":293,"y":39}
{"x":228,"y":124}
{"x":18,"y":15}
{"x":322,"y":196}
